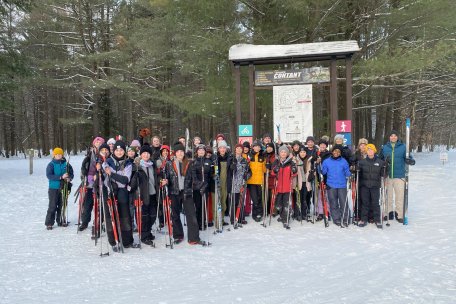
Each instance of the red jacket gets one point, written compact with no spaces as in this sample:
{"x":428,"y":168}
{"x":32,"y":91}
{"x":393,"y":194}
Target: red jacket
{"x":284,"y":172}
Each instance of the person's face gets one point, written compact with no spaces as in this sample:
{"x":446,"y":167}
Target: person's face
{"x":111,"y":146}
{"x":336,"y":153}
{"x":156,"y":142}
{"x":119,"y":153}
{"x":196,"y":141}
{"x":238,"y":150}
{"x":201,"y":152}
{"x":302,"y":153}
{"x":182,"y":141}
{"x":208,"y":155}
{"x":339,"y":141}
{"x":283,"y":154}
{"x":131,"y":153}
{"x":323,"y":147}
{"x":266,"y":140}
{"x":256,"y":149}
{"x":145,"y":156}
{"x":246,"y":150}
{"x":393,"y":138}
{"x":296,"y":147}
{"x":362,"y":148}
{"x":222,"y":150}
{"x":179,"y":154}
{"x":97,"y":143}
{"x":58,"y":156}
{"x":370,"y":153}
{"x":104,"y":152}
{"x":164,"y":153}
{"x":269,"y":150}
{"x":310,"y":144}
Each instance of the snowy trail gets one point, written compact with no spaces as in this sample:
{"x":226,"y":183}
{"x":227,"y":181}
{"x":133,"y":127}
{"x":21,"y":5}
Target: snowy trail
{"x":307,"y":264}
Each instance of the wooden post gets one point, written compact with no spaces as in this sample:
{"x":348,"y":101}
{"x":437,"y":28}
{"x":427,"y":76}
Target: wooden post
{"x":348,"y":88}
{"x":237,"y":81}
{"x":252,"y":99}
{"x":333,"y":95}
{"x":31,"y":154}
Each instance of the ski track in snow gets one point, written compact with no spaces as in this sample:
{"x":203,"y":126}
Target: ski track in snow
{"x":253,"y":264}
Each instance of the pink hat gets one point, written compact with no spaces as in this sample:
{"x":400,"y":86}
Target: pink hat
{"x":135,"y":143}
{"x":98,"y":138}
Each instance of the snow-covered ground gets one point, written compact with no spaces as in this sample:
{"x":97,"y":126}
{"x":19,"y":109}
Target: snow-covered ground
{"x":307,"y":264}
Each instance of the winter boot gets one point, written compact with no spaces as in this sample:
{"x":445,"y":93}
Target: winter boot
{"x":83,"y":227}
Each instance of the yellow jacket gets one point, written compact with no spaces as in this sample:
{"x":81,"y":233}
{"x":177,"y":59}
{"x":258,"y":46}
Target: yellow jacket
{"x":258,"y":166}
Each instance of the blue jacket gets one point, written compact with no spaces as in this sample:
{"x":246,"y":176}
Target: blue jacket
{"x":55,"y":169}
{"x":395,"y":159}
{"x":336,"y":171}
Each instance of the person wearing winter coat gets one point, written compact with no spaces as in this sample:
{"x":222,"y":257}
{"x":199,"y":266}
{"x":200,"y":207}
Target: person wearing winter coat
{"x":118,"y":169}
{"x":201,"y":173}
{"x":132,"y":154}
{"x":345,"y":152}
{"x":241,"y":173}
{"x":88,"y":171}
{"x":311,"y":148}
{"x":371,"y":172}
{"x":111,"y":143}
{"x":284,"y":169}
{"x":337,"y":171}
{"x":144,"y":187}
{"x":303,"y":185}
{"x":224,"y":160}
{"x":175,"y":172}
{"x":58,"y":172}
{"x":394,"y":153}
{"x":254,"y":183}
{"x":156,"y":148}
{"x":270,"y":159}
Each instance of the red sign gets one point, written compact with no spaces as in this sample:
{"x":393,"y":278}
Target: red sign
{"x":242,"y":139}
{"x":343,"y":126}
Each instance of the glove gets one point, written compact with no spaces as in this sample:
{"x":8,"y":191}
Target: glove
{"x":276,"y":169}
{"x":311,"y":176}
{"x":410,"y":161}
{"x":268,"y":166}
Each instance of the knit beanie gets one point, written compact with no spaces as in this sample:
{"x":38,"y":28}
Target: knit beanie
{"x":284,"y":148}
{"x":246,"y":144}
{"x":362,"y":141}
{"x":222,"y":143}
{"x":111,"y":141}
{"x":372,"y":147}
{"x":338,"y":147}
{"x":310,"y":138}
{"x":104,"y":146}
{"x":178,"y":146}
{"x":120,"y":145}
{"x":394,"y":132}
{"x":146,"y":148}
{"x":338,"y":136}
{"x":135,"y":143}
{"x":98,"y":138}
{"x":256,"y":143}
{"x":56,"y":151}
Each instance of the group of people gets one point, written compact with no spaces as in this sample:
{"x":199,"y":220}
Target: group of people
{"x":132,"y":188}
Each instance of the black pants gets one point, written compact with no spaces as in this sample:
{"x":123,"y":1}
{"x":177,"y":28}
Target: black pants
{"x":87,"y":207}
{"x":282,"y":204}
{"x":257,"y":200}
{"x":176,"y":210}
{"x":370,"y":198}
{"x":303,"y":202}
{"x":123,"y":206}
{"x":192,"y":222}
{"x":197,"y":201}
{"x":54,"y":207}
{"x":338,"y":204}
{"x":148,"y":218}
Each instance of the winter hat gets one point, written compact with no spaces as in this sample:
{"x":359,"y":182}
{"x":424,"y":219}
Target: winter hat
{"x":111,"y":141}
{"x":220,"y":135}
{"x":323,"y":141}
{"x":57,"y":150}
{"x":178,"y":146}
{"x":135,"y":143}
{"x":120,"y":145}
{"x":256,"y":143}
{"x":270,"y":145}
{"x":325,"y":138}
{"x":302,"y":148}
{"x":238,"y":146}
{"x":133,"y":148}
{"x":296,"y":142}
{"x":197,"y":137}
{"x":104,"y":146}
{"x":166,"y":147}
{"x":372,"y":147}
{"x":246,"y":144}
{"x":394,"y":132}
{"x":362,"y":141}
{"x":222,"y":143}
{"x":284,"y":148}
{"x":310,"y":138}
{"x":144,"y":132}
{"x":338,"y":147}
{"x":199,"y":147}
{"x":208,"y":149}
{"x":146,"y":148}
{"x":98,"y":138}
{"x":267,"y":135}
{"x":338,"y":136}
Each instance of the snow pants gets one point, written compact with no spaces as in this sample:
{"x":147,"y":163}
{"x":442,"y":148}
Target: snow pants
{"x":282,"y":204}
{"x":148,"y":218}
{"x":54,"y":207}
{"x":87,"y":207}
{"x":177,"y":201}
{"x":370,"y":198}
{"x":256,"y":196}
{"x":123,"y":206}
{"x":192,"y":222}
{"x":338,"y":204}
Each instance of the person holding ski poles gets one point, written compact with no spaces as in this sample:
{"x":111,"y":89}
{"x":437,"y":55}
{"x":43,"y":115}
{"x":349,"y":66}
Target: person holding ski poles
{"x":241,"y":173}
{"x":371,"y":170}
{"x":393,"y":152}
{"x":58,"y":172}
{"x":88,"y":171}
{"x":284,"y":169}
{"x":337,"y":171}
{"x":258,"y":167}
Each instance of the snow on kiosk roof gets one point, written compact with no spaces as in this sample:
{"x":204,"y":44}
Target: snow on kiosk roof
{"x":244,"y":54}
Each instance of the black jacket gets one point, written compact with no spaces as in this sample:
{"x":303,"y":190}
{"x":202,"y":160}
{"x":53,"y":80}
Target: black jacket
{"x":141,"y":179}
{"x":371,"y":172}
{"x":172,"y":177}
{"x":200,"y":171}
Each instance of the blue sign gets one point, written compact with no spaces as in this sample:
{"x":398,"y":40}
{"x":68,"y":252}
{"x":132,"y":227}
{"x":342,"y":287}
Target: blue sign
{"x":347,"y":138}
{"x":245,"y":130}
